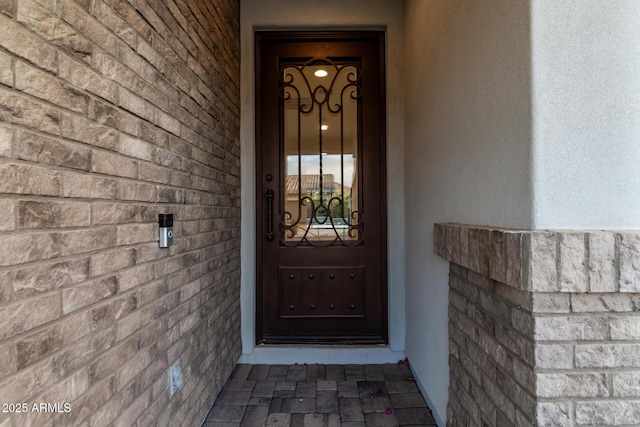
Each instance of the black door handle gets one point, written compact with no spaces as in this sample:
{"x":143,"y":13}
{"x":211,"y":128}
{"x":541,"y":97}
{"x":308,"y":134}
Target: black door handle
{"x":270,"y":196}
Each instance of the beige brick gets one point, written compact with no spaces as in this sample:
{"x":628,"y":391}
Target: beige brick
{"x":112,"y":261}
{"x":20,"y":41}
{"x":474,"y":261}
{"x":157,"y":174}
{"x":82,"y":76}
{"x":68,"y":390}
{"x":136,"y":233}
{"x":179,"y":179}
{"x":484,"y":252}
{"x":83,"y":130}
{"x":48,"y":88}
{"x":8,"y":8}
{"x":88,"y":293}
{"x":139,"y":65}
{"x":134,"y":322}
{"x":44,"y":278}
{"x":170,"y":195}
{"x":147,"y":51}
{"x":7,"y":218}
{"x":626,"y":384}
{"x":136,"y":276}
{"x":113,"y":164}
{"x":543,"y":273}
{"x":611,"y":355}
{"x":171,"y":160}
{"x":514,"y":259}
{"x":601,"y":262}
{"x":111,"y":20}
{"x":572,"y":385}
{"x":113,"y":310}
{"x":137,"y":191}
{"x":168,"y":266}
{"x":151,"y":252}
{"x":136,"y":148}
{"x":554,"y":356}
{"x":625,"y":328}
{"x":23,"y":179}
{"x":37,"y":346}
{"x":80,"y":354}
{"x":40,"y":149}
{"x":89,"y":402}
{"x":555,"y":414}
{"x":6,"y":279}
{"x":18,"y":109}
{"x":498,"y":256}
{"x":29,"y":382}
{"x":89,"y":27}
{"x":39,"y":311}
{"x":571,"y":328}
{"x":167,"y":122}
{"x":573,"y":263}
{"x":133,"y":19}
{"x":38,"y":215}
{"x":6,"y":71}
{"x":551,"y":303}
{"x":618,"y":302}
{"x":155,"y":97}
{"x":104,"y":113}
{"x":7,"y":361}
{"x":153,"y":291}
{"x":115,"y":213}
{"x":629,"y":249}
{"x":109,"y":361}
{"x":134,"y":104}
{"x":132,"y":413}
{"x":132,"y":368}
{"x":6,"y":141}
{"x":88,"y":186}
{"x":44,"y":21}
{"x":608,"y":412}
{"x":115,"y":71}
{"x":77,"y":242}
{"x":18,"y":249}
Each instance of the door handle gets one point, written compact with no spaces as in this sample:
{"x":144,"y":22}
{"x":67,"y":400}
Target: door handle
{"x":270,"y":196}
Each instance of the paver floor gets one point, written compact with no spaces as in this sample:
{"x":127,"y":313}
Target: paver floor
{"x":320,"y":395}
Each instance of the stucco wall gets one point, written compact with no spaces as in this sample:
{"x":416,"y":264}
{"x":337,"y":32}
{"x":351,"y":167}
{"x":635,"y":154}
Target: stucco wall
{"x":467,"y":144}
{"x":586,"y":113}
{"x":329,"y":14}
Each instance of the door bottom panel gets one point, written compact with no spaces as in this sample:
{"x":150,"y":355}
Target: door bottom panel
{"x":313,"y":292}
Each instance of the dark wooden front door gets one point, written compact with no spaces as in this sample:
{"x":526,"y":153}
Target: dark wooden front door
{"x":320,"y":175}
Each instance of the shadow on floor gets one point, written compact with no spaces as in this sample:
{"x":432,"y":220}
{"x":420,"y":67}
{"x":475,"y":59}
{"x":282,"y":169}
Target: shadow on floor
{"x":320,"y":395}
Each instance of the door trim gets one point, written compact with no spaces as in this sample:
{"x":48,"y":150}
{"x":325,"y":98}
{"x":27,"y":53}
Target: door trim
{"x":292,"y":36}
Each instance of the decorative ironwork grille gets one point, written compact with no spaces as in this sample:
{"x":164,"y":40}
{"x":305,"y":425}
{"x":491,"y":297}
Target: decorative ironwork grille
{"x":321,"y":122}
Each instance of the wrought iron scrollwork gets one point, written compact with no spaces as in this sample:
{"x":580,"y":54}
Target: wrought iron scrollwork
{"x":327,"y":211}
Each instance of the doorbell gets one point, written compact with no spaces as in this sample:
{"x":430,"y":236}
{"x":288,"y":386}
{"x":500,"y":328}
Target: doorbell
{"x":165,"y":230}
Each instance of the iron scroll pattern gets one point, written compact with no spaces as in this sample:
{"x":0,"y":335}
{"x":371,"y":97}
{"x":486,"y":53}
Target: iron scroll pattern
{"x":321,"y":97}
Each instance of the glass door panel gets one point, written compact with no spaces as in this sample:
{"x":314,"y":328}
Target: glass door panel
{"x":320,"y":196}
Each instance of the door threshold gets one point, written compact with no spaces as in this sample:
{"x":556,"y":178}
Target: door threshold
{"x":322,"y":340}
{"x":326,"y":354}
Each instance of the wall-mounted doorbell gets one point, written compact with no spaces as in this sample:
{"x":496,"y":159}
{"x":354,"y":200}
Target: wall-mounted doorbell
{"x":165,"y":230}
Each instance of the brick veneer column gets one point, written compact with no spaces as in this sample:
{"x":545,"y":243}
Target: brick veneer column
{"x":544,"y":326}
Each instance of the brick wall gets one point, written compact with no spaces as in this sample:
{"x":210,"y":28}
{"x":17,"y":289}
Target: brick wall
{"x":553,"y":316}
{"x":492,"y":379}
{"x":112,"y":112}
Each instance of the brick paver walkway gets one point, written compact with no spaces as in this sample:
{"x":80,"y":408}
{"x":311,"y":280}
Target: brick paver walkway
{"x":320,"y":395}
